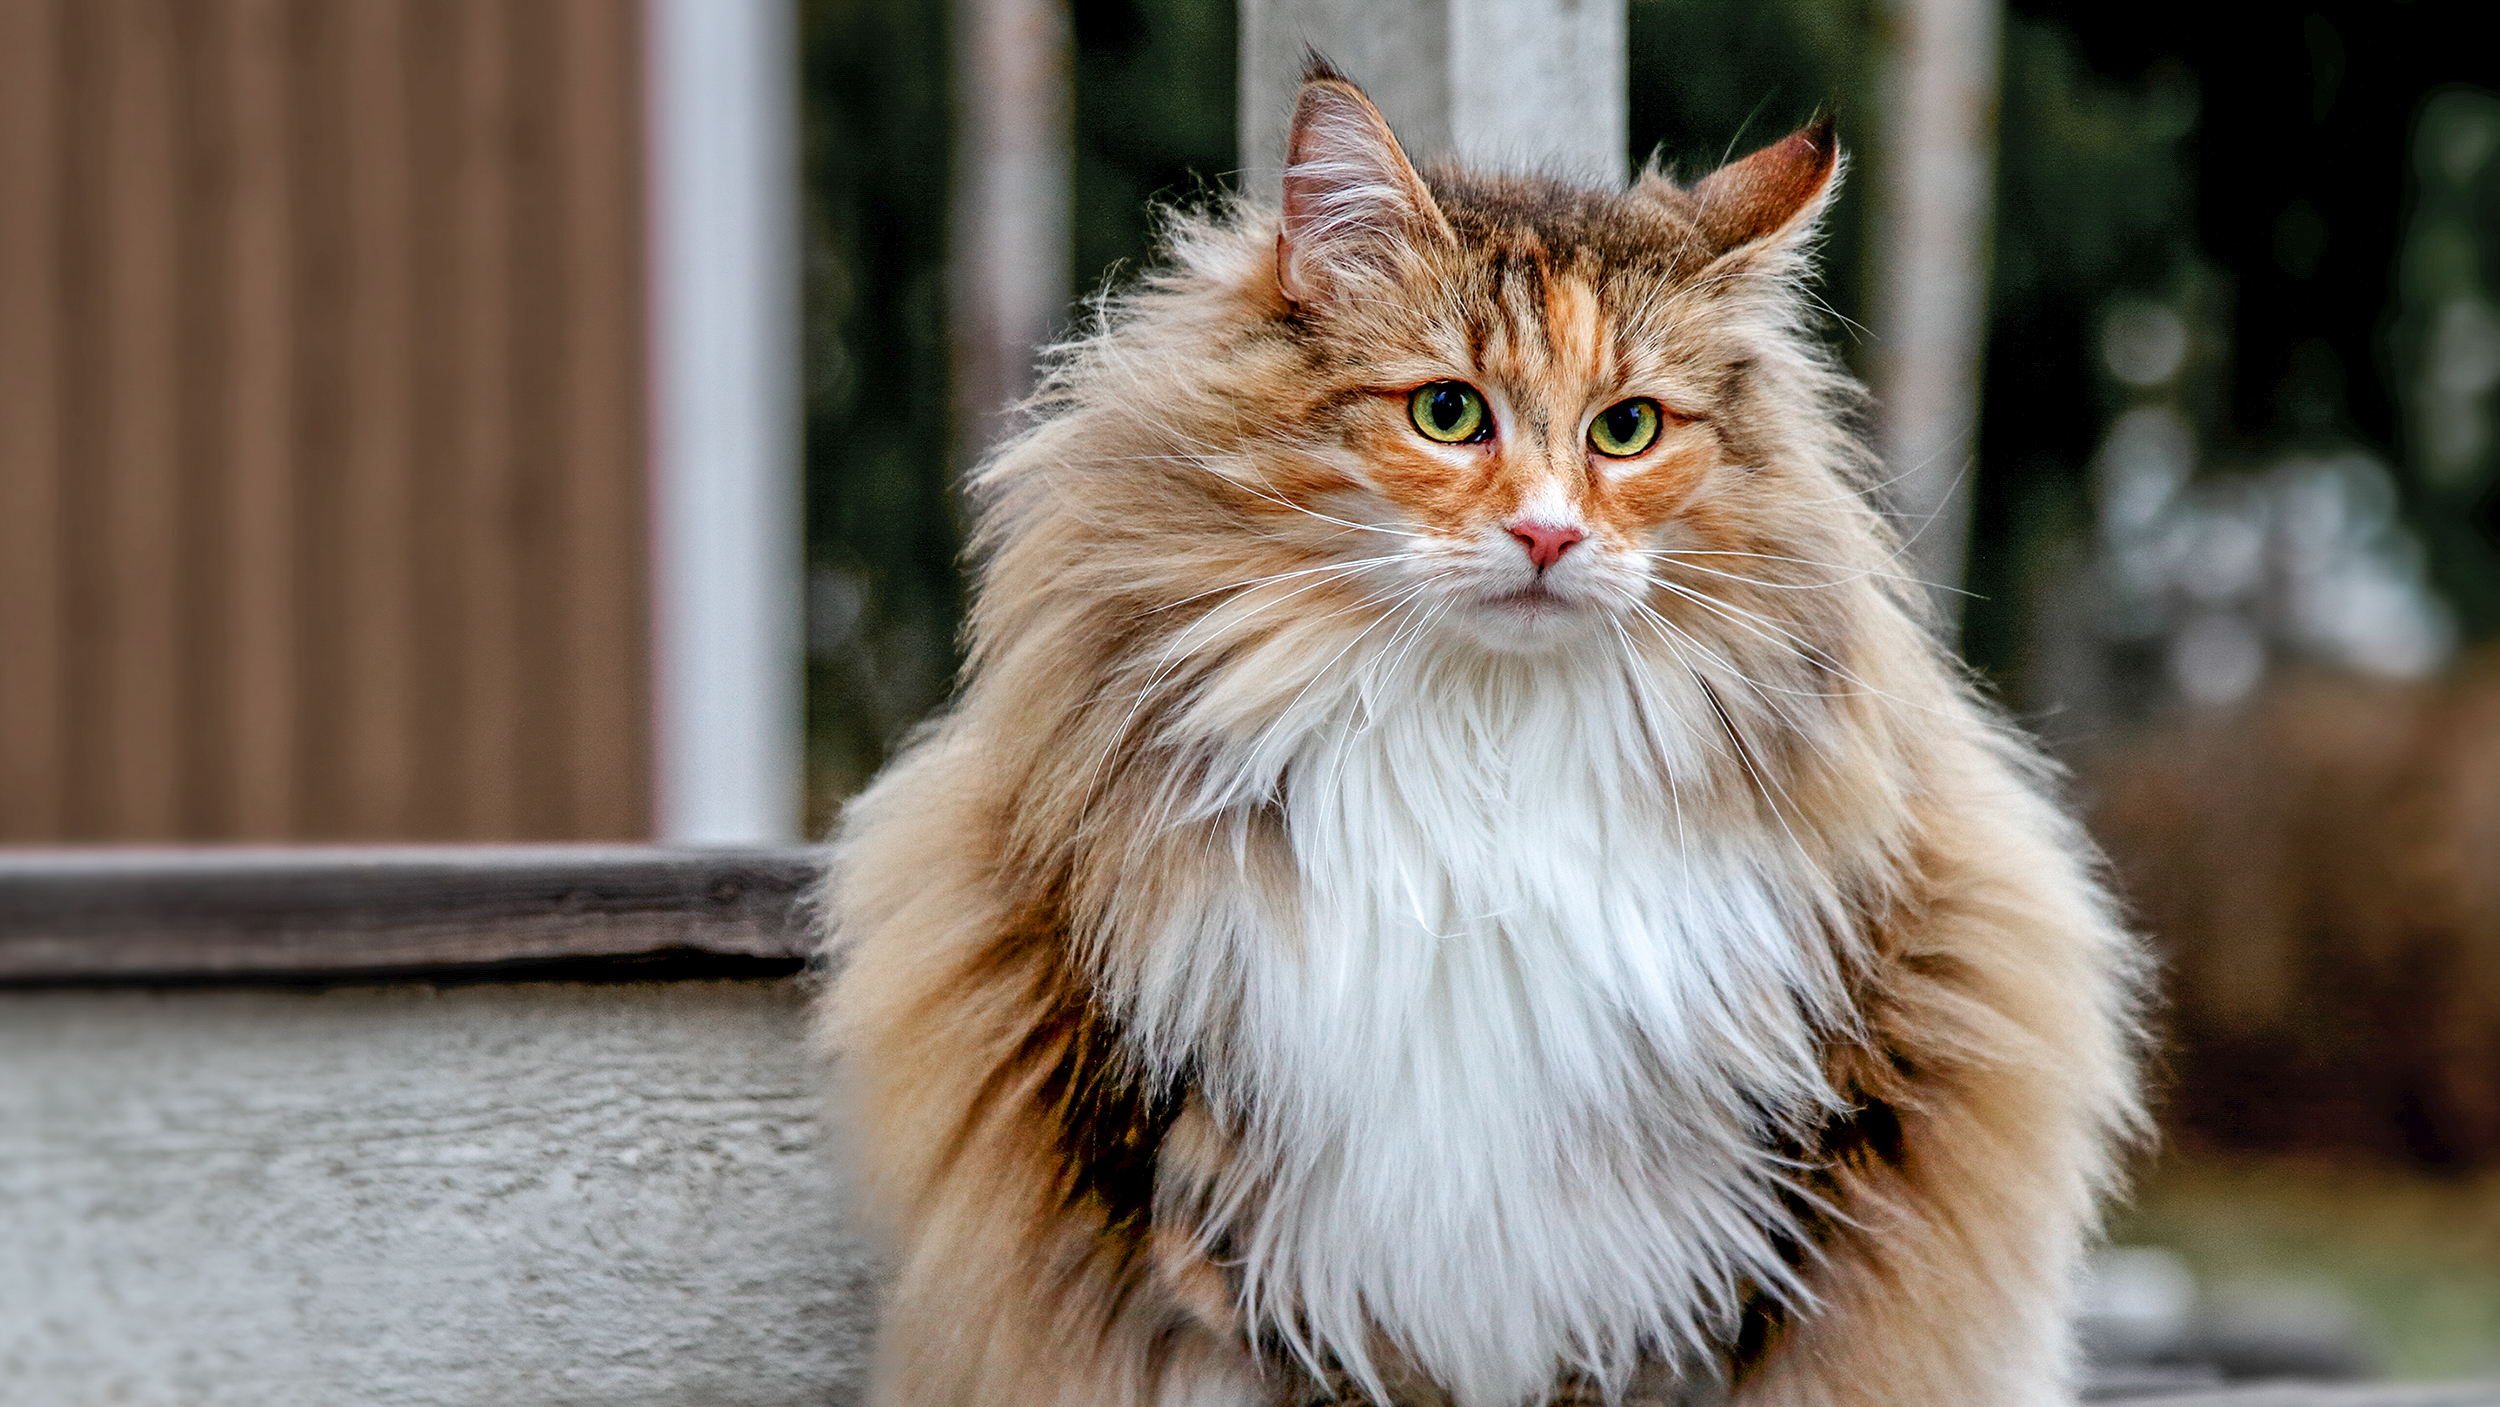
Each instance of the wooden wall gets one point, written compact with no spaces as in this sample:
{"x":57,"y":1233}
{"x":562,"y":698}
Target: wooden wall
{"x":322,"y":440}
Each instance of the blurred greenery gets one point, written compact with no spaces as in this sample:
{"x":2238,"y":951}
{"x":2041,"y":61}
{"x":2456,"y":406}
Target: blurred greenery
{"x":2445,"y":342}
{"x":1712,"y":80}
{"x":1154,"y":122}
{"x":884,"y":595}
{"x":2261,"y":178}
{"x":2094,"y":201}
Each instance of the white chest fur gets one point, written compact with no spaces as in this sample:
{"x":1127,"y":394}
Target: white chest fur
{"x":1503,"y":1094}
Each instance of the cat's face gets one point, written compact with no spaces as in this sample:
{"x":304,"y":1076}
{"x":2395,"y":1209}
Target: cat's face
{"x":1536,"y":444}
{"x":1528,"y":394}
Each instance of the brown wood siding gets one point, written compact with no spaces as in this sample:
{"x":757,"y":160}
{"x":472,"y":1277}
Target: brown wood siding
{"x":322,"y":403}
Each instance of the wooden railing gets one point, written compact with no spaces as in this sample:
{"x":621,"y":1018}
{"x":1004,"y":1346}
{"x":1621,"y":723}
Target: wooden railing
{"x":316,"y":914}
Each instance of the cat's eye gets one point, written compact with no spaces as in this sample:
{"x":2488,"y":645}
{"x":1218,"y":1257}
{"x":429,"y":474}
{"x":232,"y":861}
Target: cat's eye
{"x":1625,"y":428}
{"x":1451,"y":412}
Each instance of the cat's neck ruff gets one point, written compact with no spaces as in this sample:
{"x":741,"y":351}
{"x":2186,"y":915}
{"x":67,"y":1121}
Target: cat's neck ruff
{"x":1504,"y":1066}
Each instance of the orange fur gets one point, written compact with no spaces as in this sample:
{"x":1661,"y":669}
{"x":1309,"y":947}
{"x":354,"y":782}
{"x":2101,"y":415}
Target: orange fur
{"x":1187,"y":549}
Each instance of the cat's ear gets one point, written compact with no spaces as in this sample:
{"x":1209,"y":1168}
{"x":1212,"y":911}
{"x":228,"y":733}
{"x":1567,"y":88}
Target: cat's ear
{"x":1771,"y":196}
{"x":1351,"y":197}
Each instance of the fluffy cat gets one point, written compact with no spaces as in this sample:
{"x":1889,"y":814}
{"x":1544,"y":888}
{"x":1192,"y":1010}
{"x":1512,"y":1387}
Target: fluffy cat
{"x":1458,"y":873}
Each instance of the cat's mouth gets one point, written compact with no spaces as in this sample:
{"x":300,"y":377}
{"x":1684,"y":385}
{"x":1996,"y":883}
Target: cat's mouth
{"x":1529,"y":618}
{"x":1536,"y":598}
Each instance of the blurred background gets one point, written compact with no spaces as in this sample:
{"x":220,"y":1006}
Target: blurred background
{"x":2234,"y":544}
{"x":356,"y":484}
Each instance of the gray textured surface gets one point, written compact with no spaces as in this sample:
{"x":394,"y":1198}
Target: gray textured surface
{"x":2332,"y":1395}
{"x":491,"y":1196}
{"x":509,"y":1195}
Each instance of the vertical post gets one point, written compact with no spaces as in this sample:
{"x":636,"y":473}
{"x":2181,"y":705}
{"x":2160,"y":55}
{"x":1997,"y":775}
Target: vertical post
{"x":1934,"y":183}
{"x":1009,"y":243}
{"x":1506,"y":84}
{"x":726,"y":493}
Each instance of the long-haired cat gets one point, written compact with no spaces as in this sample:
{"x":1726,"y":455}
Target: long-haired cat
{"x":1459,"y":874}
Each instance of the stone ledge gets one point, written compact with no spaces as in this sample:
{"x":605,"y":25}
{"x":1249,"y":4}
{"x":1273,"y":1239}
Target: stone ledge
{"x":86,"y":917}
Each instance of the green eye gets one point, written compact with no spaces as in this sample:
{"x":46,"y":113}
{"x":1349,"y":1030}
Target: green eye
{"x":1449,"y":411}
{"x":1625,"y":428}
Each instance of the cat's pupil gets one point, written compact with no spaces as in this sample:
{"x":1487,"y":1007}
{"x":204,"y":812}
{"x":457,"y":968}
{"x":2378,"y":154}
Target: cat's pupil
{"x":1623,"y":422}
{"x":1448,"y":408}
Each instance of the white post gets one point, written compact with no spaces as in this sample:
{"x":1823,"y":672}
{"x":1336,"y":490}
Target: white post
{"x":725,"y":493}
{"x":1505,"y":84}
{"x":1934,"y":184}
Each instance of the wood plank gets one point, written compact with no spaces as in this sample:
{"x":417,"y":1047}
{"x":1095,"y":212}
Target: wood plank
{"x":257,"y":674}
{"x":374,"y":771}
{"x":323,"y":500}
{"x":78,"y":223}
{"x":138,"y":709}
{"x":320,"y":287}
{"x":203,"y":188}
{"x":537,"y":310}
{"x":301,"y":914}
{"x":482,"y":469}
{"x":436,"y":522}
{"x":605,"y":464}
{"x":33,"y":750}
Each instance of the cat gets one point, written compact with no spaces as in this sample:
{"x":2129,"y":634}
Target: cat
{"x":1458,"y":872}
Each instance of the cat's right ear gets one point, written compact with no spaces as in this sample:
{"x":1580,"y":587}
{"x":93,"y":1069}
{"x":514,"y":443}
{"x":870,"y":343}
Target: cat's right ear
{"x":1351,"y":197}
{"x":1772,"y":196}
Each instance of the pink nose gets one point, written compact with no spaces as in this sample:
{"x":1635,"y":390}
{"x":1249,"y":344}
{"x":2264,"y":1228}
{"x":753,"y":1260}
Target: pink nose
{"x":1545,"y":543}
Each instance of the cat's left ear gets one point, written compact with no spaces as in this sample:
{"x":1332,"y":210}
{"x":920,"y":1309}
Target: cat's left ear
{"x":1771,"y":197}
{"x":1353,"y":203}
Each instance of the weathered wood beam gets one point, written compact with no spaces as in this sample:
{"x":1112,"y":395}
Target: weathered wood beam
{"x":69,"y":917}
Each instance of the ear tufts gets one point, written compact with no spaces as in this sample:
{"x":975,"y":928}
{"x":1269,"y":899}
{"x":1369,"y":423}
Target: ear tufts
{"x":1772,"y":194}
{"x":1316,"y":68}
{"x":1351,"y":197}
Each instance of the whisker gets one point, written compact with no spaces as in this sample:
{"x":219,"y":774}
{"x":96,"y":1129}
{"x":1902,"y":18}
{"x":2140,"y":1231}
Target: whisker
{"x":1322,"y":672}
{"x":1178,"y":651}
{"x":1656,"y":557}
{"x":1254,"y":583}
{"x":1765,"y":786}
{"x":1732,"y":667}
{"x":1943,"y":501}
{"x":1635,"y":668}
{"x":1801,"y":648}
{"x":1385,"y":669}
{"x":1902,"y":577}
{"x":1761,"y":688}
{"x":1199,"y":462}
{"x":1285,"y":715}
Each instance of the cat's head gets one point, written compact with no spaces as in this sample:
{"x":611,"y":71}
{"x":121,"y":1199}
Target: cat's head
{"x":1526,"y":392}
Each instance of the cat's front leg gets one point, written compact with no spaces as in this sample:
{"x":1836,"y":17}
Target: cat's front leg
{"x":1927,"y":1319}
{"x":1992,"y":1090}
{"x":1919,"y":1315}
